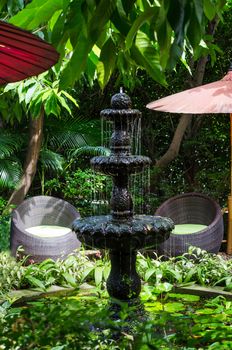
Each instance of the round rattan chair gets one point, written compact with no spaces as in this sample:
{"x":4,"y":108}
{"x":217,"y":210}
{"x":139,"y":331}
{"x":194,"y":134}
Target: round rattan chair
{"x":43,"y":210}
{"x":192,"y":208}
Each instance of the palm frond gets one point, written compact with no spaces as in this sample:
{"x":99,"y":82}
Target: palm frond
{"x":9,"y":143}
{"x":70,"y":133}
{"x":90,"y":151}
{"x":10,"y":172}
{"x":51,"y":160}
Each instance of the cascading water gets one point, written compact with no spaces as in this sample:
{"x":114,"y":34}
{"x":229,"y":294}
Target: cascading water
{"x":122,"y":232}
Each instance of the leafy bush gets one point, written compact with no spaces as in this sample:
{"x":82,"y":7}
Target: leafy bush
{"x":71,"y":272}
{"x":11,"y":273}
{"x":198,"y":267}
{"x":4,"y":232}
{"x":81,"y":188}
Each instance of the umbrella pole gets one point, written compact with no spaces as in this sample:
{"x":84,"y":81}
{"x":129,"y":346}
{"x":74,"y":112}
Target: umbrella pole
{"x":229,"y":233}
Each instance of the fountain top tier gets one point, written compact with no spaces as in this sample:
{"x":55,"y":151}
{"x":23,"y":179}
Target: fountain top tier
{"x":120,"y":164}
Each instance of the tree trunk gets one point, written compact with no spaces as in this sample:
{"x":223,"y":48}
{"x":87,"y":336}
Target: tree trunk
{"x":33,"y":149}
{"x":173,"y":150}
{"x":184,"y":121}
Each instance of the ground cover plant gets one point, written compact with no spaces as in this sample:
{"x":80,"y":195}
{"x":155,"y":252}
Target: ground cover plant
{"x":86,"y":320}
{"x":162,"y":321}
{"x":197,"y":267}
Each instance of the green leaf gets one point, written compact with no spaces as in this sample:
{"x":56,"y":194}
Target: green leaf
{"x":51,"y":160}
{"x":194,"y":31}
{"x":99,"y":18}
{"x":149,"y":273}
{"x":35,"y":282}
{"x":30,"y":93}
{"x":77,"y":64}
{"x":106,"y":272}
{"x":86,"y":272}
{"x":51,"y":105}
{"x":164,"y":35}
{"x":209,"y":9}
{"x":174,"y":307}
{"x":98,"y":274}
{"x":120,"y":23}
{"x":44,"y":10}
{"x":70,"y":279}
{"x":146,"y":56}
{"x":64,"y":104}
{"x":127,"y":5}
{"x":198,"y":9}
{"x":65,"y":93}
{"x":2,"y":4}
{"x":140,"y":20}
{"x":107,"y":61}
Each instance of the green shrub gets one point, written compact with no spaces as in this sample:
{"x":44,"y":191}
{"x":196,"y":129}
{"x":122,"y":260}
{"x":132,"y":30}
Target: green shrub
{"x":82,"y":188}
{"x":4,"y":232}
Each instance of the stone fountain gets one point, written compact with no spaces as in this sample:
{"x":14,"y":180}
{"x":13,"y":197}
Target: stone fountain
{"x":122,"y":232}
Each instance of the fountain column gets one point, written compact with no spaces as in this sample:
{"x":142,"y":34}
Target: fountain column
{"x":122,"y":232}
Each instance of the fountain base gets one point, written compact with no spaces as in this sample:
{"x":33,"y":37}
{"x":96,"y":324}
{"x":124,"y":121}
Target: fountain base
{"x":123,"y":282}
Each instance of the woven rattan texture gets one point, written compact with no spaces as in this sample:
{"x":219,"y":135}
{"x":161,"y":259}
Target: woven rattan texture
{"x":192,"y":208}
{"x":43,"y":210}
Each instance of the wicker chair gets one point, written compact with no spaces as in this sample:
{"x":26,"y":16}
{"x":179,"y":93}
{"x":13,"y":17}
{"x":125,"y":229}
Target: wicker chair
{"x":192,"y":208}
{"x":43,"y":210}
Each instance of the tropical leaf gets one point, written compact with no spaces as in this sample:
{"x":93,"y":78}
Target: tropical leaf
{"x":91,"y":151}
{"x":9,"y":143}
{"x":51,"y":160}
{"x":142,"y":18}
{"x":86,"y":40}
{"x":10,"y":172}
{"x":146,"y":56}
{"x":66,"y":134}
{"x":107,"y":62}
{"x":44,"y":10}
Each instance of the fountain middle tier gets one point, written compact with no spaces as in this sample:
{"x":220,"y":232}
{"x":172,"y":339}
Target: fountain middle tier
{"x":120,"y":164}
{"x":141,"y":231}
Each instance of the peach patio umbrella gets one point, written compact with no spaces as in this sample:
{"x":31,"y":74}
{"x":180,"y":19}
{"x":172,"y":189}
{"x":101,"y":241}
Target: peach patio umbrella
{"x":215,"y":98}
{"x":23,"y":54}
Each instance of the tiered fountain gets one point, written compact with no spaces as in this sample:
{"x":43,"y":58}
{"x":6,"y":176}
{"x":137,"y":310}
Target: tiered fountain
{"x":122,"y":232}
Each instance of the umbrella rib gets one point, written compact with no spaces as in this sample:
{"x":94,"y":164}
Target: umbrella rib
{"x":9,"y":29}
{"x":21,"y":60}
{"x":16,"y":70}
{"x":36,"y":42}
{"x":26,"y":51}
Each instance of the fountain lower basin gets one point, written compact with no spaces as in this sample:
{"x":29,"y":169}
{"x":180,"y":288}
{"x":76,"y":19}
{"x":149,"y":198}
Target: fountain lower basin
{"x":141,"y":231}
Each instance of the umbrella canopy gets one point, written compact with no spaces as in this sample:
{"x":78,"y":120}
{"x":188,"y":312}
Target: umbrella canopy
{"x":23,"y":54}
{"x":215,"y":97}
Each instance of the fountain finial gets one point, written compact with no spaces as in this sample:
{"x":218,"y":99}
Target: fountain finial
{"x":121,"y":101}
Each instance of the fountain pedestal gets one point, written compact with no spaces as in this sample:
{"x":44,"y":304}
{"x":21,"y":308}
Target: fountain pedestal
{"x":122,"y":232}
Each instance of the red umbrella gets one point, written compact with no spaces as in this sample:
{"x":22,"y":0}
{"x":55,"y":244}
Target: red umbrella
{"x":23,"y":54}
{"x":215,"y":97}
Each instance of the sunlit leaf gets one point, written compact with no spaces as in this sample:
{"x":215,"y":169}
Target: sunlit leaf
{"x":44,"y":9}
{"x":143,"y":17}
